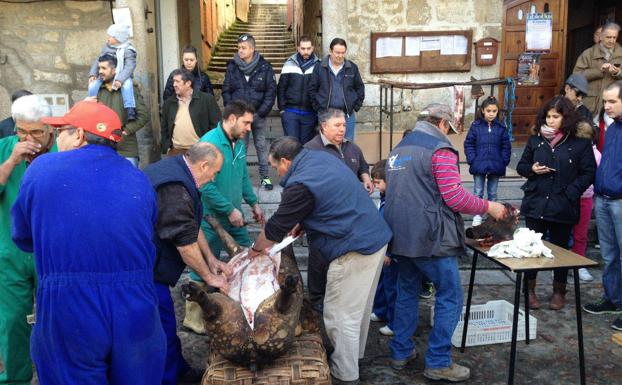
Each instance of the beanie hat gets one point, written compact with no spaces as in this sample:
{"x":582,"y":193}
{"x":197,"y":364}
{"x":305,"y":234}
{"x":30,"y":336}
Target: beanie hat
{"x":121,"y":32}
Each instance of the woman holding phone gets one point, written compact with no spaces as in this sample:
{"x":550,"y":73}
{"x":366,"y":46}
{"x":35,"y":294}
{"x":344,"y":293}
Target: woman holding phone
{"x":559,"y":167}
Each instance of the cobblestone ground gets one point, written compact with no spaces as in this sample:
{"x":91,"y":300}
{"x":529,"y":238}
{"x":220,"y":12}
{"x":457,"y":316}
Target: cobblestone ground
{"x":551,"y":359}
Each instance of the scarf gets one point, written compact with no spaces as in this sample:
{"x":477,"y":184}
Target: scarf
{"x":551,"y":135}
{"x":306,"y":64}
{"x":606,"y":51}
{"x":246,"y":68}
{"x":120,"y":48}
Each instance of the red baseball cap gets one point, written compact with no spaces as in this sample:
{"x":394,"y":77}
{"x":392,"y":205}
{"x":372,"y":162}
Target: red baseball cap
{"x":94,"y":117}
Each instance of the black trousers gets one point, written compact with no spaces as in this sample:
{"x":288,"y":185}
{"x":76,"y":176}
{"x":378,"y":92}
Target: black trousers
{"x":559,"y":234}
{"x":316,"y":276}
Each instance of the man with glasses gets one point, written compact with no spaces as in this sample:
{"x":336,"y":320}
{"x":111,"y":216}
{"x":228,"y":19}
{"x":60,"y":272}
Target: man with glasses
{"x":250,"y":78}
{"x":17,"y":271}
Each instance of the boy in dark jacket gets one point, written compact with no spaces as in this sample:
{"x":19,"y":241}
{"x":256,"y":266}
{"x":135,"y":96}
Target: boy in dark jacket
{"x":488,"y":150}
{"x":250,"y":78}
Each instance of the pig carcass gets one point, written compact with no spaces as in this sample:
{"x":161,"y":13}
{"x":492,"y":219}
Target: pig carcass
{"x":255,"y":320}
{"x":493,"y":231}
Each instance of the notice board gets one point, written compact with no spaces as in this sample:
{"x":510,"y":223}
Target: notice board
{"x":421,"y":51}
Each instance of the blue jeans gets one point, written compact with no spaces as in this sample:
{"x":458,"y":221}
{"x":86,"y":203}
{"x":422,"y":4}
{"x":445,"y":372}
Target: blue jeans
{"x":479,"y":181}
{"x":175,"y":365}
{"x":443,"y":272}
{"x":127,"y":91}
{"x":301,"y":127}
{"x":350,"y":126}
{"x":608,"y":214}
{"x":386,"y":293}
{"x":259,"y":139}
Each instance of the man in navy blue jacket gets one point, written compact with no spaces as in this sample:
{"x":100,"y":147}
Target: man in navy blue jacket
{"x":608,"y":192}
{"x":88,"y":215}
{"x":349,"y":233}
{"x":250,"y":78}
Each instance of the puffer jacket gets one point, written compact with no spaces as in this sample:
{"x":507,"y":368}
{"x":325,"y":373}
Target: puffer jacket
{"x":555,"y":196}
{"x":321,"y":87}
{"x":259,"y":90}
{"x":200,"y":82}
{"x":292,"y":91}
{"x":487,"y":148}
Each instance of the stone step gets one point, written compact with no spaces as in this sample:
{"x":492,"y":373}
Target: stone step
{"x":223,"y":68}
{"x":276,"y":41}
{"x":223,"y":60}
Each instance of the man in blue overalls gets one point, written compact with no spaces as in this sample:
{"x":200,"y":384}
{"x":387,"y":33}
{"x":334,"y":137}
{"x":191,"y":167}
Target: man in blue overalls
{"x":89,"y":215}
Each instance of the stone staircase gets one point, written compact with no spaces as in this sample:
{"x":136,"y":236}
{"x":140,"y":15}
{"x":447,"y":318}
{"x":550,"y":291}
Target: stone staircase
{"x":267,"y":24}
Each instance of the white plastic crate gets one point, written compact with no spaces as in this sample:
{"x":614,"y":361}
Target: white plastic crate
{"x":491,"y":323}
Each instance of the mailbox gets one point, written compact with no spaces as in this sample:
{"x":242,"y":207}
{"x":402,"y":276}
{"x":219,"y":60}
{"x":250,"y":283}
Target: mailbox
{"x":486,"y":51}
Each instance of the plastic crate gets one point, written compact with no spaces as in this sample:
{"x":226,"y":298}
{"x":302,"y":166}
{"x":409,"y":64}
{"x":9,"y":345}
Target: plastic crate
{"x":491,"y":323}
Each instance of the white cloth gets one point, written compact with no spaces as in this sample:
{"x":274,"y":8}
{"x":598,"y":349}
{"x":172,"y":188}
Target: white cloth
{"x":525,"y":244}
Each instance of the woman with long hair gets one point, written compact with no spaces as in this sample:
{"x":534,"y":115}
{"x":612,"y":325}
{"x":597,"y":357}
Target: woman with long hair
{"x":190,"y":61}
{"x":559,"y":167}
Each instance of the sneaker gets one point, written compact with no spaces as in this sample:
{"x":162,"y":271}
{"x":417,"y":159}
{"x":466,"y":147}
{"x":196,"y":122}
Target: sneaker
{"x":602,"y":307}
{"x":266,"y":182}
{"x":374,"y":318}
{"x":617,"y":324}
{"x":453,"y":373}
{"x":584,"y":275}
{"x":477,"y":220}
{"x":131,"y":113}
{"x":428,"y":291}
{"x":386,"y":331}
{"x":401,"y":364}
{"x":597,"y":246}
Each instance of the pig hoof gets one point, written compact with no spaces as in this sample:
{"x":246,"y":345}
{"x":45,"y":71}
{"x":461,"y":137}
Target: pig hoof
{"x":469,"y":233}
{"x":191,"y":291}
{"x":289,"y":286}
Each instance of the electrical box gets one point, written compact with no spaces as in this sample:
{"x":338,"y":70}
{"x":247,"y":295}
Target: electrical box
{"x":486,"y":51}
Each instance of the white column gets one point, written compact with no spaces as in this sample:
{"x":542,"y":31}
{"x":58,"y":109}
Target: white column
{"x":334,"y":14}
{"x":169,"y":38}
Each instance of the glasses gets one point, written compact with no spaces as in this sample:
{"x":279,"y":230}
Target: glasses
{"x":58,"y":130}
{"x":37,"y":133}
{"x":243,"y":38}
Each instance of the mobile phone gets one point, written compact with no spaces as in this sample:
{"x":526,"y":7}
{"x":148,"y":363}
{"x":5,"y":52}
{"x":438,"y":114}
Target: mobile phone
{"x":617,"y":65}
{"x":551,"y":169}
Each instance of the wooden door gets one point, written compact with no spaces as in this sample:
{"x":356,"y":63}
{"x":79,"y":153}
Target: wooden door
{"x":530,"y":98}
{"x":209,"y":29}
{"x":241,"y":9}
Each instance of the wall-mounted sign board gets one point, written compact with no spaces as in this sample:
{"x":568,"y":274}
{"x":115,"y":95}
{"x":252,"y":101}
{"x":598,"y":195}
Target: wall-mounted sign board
{"x":421,"y":51}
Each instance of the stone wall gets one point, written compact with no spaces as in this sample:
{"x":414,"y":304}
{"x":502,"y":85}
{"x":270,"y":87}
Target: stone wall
{"x":483,"y":17}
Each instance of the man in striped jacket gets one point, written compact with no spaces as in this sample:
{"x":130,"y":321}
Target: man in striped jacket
{"x":424,"y":199}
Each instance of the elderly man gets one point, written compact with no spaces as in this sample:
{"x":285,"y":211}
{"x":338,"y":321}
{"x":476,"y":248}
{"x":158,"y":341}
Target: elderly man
{"x":600,"y":64}
{"x":428,"y":237}
{"x":112,"y":98}
{"x":223,"y":197}
{"x":331,"y":139}
{"x":297,"y":115}
{"x":608,"y":190}
{"x":349,"y":234}
{"x":88,"y":215}
{"x":187,"y":115}
{"x":7,"y":126}
{"x":337,"y":83}
{"x":250,"y":78}
{"x":179,"y":241}
{"x":17,"y":272}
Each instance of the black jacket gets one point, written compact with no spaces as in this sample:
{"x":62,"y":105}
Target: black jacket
{"x":292,"y":91}
{"x":201,"y":83}
{"x":321,"y":87}
{"x":259,"y":90}
{"x":555,"y":196}
{"x":204,"y":113}
{"x":349,"y":153}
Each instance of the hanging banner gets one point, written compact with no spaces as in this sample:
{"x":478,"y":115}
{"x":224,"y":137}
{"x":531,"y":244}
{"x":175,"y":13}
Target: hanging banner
{"x":539,"y":32}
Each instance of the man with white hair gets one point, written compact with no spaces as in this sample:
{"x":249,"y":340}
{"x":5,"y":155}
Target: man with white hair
{"x":17,"y":272}
{"x":601,"y":65}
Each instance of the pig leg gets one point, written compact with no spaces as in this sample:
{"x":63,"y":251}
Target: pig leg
{"x":286,"y":298}
{"x":192,"y":292}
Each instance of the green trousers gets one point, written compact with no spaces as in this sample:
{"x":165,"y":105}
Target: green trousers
{"x":240,"y":234}
{"x":17,"y":285}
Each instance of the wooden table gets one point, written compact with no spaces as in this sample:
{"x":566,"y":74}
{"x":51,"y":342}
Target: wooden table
{"x":563,"y":259}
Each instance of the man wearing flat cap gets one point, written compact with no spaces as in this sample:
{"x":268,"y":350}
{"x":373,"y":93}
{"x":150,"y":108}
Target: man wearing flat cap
{"x":424,"y":199}
{"x":88,"y":215}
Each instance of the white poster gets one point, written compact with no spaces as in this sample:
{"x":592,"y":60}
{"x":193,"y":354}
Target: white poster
{"x":413,"y":46}
{"x":454,"y":45}
{"x":430,"y":43}
{"x":539,"y":35}
{"x":123,"y":16}
{"x":388,"y":46}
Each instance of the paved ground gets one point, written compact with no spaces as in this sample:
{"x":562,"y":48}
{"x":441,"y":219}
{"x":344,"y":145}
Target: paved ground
{"x":551,"y":359}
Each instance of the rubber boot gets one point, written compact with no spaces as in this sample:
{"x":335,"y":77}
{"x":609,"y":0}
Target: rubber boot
{"x":533,"y":300}
{"x":559,"y":296}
